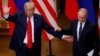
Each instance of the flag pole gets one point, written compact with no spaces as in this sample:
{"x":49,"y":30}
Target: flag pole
{"x":50,"y":49}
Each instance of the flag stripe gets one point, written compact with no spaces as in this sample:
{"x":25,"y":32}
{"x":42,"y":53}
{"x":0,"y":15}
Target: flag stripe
{"x":47,"y":9}
{"x":45,"y":34}
{"x":47,"y":13}
{"x":40,"y":10}
{"x":50,"y":9}
{"x":43,"y":14}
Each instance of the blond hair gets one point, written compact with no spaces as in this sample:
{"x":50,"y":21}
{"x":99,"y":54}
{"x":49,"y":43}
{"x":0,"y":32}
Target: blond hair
{"x":29,"y":5}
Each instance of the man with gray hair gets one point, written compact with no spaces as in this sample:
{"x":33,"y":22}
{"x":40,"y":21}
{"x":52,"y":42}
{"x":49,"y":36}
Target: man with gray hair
{"x":85,"y":35}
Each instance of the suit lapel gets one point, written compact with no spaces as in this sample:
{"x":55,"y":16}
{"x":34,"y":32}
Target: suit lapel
{"x":24,"y":21}
{"x":35,"y":19}
{"x":75,"y":30}
{"x":24,"y":24}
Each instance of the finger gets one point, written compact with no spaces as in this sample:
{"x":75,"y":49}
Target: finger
{"x":57,"y":29}
{"x":9,"y":8}
{"x":69,"y":40}
{"x":4,"y":6}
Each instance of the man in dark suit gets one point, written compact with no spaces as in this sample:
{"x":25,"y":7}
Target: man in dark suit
{"x":84,"y":34}
{"x":28,"y":24}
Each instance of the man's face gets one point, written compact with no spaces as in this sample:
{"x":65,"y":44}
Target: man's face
{"x":29,"y":11}
{"x":82,"y":15}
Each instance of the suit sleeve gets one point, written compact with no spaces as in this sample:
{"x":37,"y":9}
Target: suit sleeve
{"x":96,"y":41}
{"x":12,"y":18}
{"x":50,"y":29}
{"x":67,"y":31}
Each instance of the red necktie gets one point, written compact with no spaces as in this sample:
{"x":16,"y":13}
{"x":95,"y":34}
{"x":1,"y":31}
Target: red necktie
{"x":29,"y":34}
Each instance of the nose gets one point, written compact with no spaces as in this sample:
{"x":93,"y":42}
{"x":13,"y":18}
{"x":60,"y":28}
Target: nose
{"x":28,"y":12}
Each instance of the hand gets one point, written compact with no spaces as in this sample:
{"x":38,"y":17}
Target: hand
{"x":68,"y":38}
{"x":6,"y":9}
{"x":57,"y":28}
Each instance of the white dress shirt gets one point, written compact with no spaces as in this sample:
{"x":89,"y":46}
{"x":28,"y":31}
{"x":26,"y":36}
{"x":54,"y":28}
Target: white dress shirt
{"x":78,"y":26}
{"x":32,"y":24}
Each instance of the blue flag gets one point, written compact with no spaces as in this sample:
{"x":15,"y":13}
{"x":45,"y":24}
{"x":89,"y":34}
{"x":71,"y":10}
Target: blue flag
{"x":20,"y":4}
{"x":88,"y":4}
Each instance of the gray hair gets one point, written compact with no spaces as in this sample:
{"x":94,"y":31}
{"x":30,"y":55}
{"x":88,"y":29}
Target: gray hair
{"x":83,"y":9}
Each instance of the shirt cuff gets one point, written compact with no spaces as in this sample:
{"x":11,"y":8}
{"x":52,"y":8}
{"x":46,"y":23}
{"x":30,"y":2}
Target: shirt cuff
{"x":65,"y":36}
{"x":6,"y":16}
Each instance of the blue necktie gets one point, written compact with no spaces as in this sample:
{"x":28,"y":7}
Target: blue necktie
{"x":80,"y":30}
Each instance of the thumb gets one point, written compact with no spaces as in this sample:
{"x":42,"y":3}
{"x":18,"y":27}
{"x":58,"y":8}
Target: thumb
{"x":57,"y":29}
{"x":9,"y":8}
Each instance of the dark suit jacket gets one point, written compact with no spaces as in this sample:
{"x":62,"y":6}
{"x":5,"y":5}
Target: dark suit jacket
{"x":88,"y":40}
{"x":20,"y":20}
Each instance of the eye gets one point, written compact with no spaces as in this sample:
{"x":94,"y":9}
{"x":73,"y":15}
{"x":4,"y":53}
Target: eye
{"x":82,"y":17}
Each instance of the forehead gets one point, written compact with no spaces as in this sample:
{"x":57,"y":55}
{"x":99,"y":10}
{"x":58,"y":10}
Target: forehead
{"x":28,"y":8}
{"x":82,"y":10}
{"x":82,"y":13}
{"x":29,"y":5}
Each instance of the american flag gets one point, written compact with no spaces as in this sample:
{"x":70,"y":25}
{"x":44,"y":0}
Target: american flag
{"x":47,"y":8}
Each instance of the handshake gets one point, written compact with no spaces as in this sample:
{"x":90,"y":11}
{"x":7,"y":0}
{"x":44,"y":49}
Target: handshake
{"x":68,"y":38}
